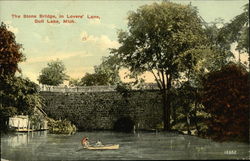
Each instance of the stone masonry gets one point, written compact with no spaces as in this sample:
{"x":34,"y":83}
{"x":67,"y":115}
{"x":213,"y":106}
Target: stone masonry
{"x":100,"y":110}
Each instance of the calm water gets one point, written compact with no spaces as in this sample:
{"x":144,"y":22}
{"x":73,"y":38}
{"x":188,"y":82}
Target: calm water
{"x":143,"y":145}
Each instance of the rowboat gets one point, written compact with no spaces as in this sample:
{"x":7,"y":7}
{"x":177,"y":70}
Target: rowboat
{"x":103,"y":147}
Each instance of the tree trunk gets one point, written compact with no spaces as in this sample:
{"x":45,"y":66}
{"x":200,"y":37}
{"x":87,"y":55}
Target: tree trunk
{"x":166,"y":86}
{"x":168,"y":111}
{"x":188,"y":105}
{"x":168,"y":101}
{"x":239,"y":57}
{"x":173,"y":113}
{"x":188,"y":124}
{"x":165,"y":123}
{"x":164,"y":99}
{"x":195,"y":116}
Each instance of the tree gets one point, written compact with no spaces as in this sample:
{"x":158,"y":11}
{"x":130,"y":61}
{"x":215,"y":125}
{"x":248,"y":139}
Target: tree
{"x":18,"y":96}
{"x":107,"y":73}
{"x":95,"y":79}
{"x":19,"y":93}
{"x":74,"y":82}
{"x":10,"y":52}
{"x":219,"y":52}
{"x":109,"y":67}
{"x":226,"y":99}
{"x":54,"y":74}
{"x":238,"y":31}
{"x":214,"y":57}
{"x":158,"y":35}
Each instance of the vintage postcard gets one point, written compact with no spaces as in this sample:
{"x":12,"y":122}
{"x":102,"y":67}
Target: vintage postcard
{"x":124,"y":79}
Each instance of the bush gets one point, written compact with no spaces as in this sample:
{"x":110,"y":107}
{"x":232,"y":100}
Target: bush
{"x":123,"y":89}
{"x":226,"y":99}
{"x":20,"y":93}
{"x":61,"y":126}
{"x":5,"y":113}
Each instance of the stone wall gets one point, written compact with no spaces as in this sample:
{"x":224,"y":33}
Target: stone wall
{"x":108,"y":88}
{"x":100,"y":110}
{"x":47,"y":88}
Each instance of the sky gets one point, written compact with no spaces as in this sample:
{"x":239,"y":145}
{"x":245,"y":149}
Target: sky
{"x":81,"y":45}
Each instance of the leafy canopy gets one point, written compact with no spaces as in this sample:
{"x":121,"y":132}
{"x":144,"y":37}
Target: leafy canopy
{"x":10,"y":52}
{"x":161,"y":37}
{"x":53,"y":74}
{"x":226,"y":99}
{"x":107,"y":73}
{"x":158,"y":35}
{"x":18,"y":95}
{"x":238,"y":30}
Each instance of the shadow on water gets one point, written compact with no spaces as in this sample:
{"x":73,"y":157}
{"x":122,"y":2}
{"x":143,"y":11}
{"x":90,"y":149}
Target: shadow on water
{"x":143,"y":145}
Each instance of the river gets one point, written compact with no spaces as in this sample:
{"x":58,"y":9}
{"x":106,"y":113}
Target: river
{"x":143,"y":145}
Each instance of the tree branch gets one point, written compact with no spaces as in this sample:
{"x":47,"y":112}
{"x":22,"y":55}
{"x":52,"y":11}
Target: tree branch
{"x":158,"y":80}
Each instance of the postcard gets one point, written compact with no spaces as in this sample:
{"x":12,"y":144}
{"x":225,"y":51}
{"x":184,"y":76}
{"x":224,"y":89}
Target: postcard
{"x":124,"y":79}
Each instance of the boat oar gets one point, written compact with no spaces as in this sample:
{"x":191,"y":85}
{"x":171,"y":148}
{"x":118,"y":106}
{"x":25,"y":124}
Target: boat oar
{"x":79,"y":149}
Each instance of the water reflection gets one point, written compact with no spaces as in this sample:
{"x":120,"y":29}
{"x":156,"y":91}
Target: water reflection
{"x":44,"y":146}
{"x":22,"y":139}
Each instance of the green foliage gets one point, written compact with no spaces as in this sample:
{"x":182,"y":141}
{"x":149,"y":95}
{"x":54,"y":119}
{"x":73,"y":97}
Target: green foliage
{"x":243,"y":42}
{"x":226,"y":99}
{"x":159,"y":126}
{"x":219,"y":52}
{"x":19,"y":93}
{"x":157,"y":35}
{"x":237,"y":30}
{"x":74,"y":82}
{"x":37,"y":119}
{"x":61,"y":126}
{"x":213,"y":56}
{"x":220,"y":38}
{"x":107,"y":73}
{"x":123,"y":89}
{"x":10,"y":52}
{"x":95,"y":79}
{"x":7,"y":111}
{"x":53,"y":74}
{"x":160,"y":39}
{"x":187,"y":112}
{"x":109,"y":67}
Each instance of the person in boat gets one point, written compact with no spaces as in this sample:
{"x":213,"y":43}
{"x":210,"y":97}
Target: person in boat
{"x":98,"y":143}
{"x":85,"y":142}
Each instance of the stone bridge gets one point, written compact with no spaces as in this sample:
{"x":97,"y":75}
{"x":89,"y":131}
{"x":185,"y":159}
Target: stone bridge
{"x":92,"y":110}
